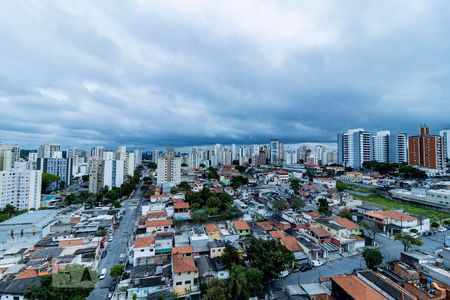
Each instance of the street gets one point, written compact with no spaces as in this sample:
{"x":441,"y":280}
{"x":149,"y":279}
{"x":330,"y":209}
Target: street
{"x":119,"y":244}
{"x":389,"y":248}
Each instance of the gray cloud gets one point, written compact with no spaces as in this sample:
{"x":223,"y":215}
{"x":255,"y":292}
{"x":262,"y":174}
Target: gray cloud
{"x":180,"y":73}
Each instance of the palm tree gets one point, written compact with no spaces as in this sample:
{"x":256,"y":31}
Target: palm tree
{"x":9,"y":210}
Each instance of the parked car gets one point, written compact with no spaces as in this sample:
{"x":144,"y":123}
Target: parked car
{"x":316,"y":263}
{"x":284,"y":273}
{"x":427,"y":233}
{"x":442,"y":229}
{"x":305,"y":268}
{"x":104,"y":253}
{"x":110,"y":239}
{"x":102,"y":274}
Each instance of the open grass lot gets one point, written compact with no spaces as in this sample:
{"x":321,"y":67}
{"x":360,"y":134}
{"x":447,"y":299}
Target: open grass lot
{"x":386,"y":203}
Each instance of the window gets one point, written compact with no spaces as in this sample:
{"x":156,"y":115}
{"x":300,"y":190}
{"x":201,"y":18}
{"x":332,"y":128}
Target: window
{"x":187,"y":282}
{"x":179,"y":283}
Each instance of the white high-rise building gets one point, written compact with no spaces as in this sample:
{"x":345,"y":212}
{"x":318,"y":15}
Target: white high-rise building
{"x":6,"y":158}
{"x":398,"y":148}
{"x":113,"y":173}
{"x":121,"y":153}
{"x":169,"y":168}
{"x":108,"y":155}
{"x":20,"y":188}
{"x":96,"y":171}
{"x":234,"y":155}
{"x":381,"y":146}
{"x":129,"y":164}
{"x":97,"y":151}
{"x":194,"y":160}
{"x":49,"y":151}
{"x":137,"y":157}
{"x":445,"y":134}
{"x":155,"y":156}
{"x":354,"y":148}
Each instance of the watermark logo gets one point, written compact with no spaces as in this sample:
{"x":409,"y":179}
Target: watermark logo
{"x":74,"y":276}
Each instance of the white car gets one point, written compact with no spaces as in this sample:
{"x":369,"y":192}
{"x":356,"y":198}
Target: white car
{"x":110,"y":239}
{"x":442,"y":229}
{"x":102,"y":274}
{"x":284,"y":273}
{"x":316,"y":263}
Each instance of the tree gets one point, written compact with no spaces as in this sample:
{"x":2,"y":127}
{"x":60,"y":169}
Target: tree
{"x":117,"y":270}
{"x":371,"y":228}
{"x":346,"y":213}
{"x":241,"y":169}
{"x":324,"y":208}
{"x":409,"y":172}
{"x":435,"y":225}
{"x":279,"y":205}
{"x":184,"y":186}
{"x":217,"y":290}
{"x":56,"y":287}
{"x":372,"y":257}
{"x":230,"y":256}
{"x":47,"y":179}
{"x":269,"y":257}
{"x":70,"y":199}
{"x":295,"y":183}
{"x":297,"y":203}
{"x":407,"y":240}
{"x":9,"y":210}
{"x":102,"y":233}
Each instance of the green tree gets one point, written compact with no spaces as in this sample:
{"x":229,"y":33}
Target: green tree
{"x":230,"y":256}
{"x":324,"y":208}
{"x":297,"y":203}
{"x":47,"y":179}
{"x":217,"y":290}
{"x":241,"y":169}
{"x":407,"y":240}
{"x":295,"y":183}
{"x":372,"y":257}
{"x":346,"y":213}
{"x":371,"y":228}
{"x":279,"y":205}
{"x":9,"y":210}
{"x":435,"y":225}
{"x":117,"y":270}
{"x":184,"y":186}
{"x":269,"y":257}
{"x":102,"y":233}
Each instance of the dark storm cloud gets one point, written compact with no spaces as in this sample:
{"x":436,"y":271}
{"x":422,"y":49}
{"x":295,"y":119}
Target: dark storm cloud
{"x":184,"y":73}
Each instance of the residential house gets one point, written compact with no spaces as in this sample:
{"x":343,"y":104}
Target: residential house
{"x":143,"y":251}
{"x":185,"y":276}
{"x":163,"y":225}
{"x":216,"y":248}
{"x":241,"y":228}
{"x":391,"y":222}
{"x":212,"y":231}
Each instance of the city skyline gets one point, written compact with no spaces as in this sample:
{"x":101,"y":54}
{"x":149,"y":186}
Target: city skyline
{"x":180,"y":74}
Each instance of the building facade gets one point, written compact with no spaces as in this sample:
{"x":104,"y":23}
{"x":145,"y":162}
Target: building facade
{"x":426,"y":150}
{"x":20,"y":188}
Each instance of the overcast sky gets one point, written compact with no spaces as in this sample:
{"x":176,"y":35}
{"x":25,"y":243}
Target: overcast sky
{"x":180,"y":73}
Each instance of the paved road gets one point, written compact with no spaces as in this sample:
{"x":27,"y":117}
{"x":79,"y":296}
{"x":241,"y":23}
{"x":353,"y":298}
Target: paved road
{"x":118,"y":245}
{"x":391,"y":250}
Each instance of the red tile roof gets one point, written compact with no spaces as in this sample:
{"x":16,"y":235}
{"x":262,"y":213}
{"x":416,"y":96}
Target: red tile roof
{"x":183,"y":264}
{"x":241,"y":225}
{"x":291,"y":243}
{"x":144,"y":242}
{"x":277,"y":234}
{"x":356,"y":288}
{"x":346,"y":223}
{"x":391,"y":214}
{"x":154,"y":223}
{"x":211,"y":228}
{"x":182,"y":250}
{"x":266,"y":225}
{"x":180,"y":204}
{"x":320,"y":232}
